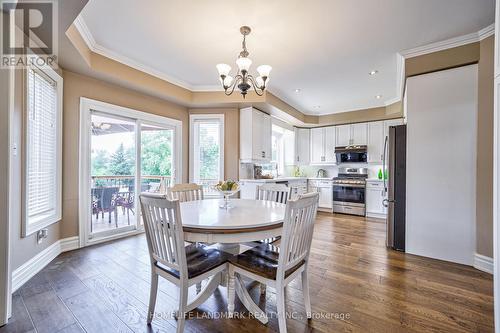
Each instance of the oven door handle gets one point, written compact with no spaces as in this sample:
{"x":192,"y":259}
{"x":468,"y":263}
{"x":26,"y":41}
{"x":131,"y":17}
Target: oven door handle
{"x":350,"y":185}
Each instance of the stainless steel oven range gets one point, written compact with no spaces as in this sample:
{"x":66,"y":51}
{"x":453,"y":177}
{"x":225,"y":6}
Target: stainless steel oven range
{"x":349,"y":191}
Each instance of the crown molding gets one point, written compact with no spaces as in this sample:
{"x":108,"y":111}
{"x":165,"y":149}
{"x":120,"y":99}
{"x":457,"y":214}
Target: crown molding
{"x":450,"y":43}
{"x":486,"y":32}
{"x":84,"y":31}
{"x":440,"y":46}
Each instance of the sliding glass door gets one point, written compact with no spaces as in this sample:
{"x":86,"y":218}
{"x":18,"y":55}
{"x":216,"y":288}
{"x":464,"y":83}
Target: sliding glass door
{"x":113,"y":173}
{"x":124,"y":152}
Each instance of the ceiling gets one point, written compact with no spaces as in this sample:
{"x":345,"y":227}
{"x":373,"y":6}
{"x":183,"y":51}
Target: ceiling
{"x":325,"y":48}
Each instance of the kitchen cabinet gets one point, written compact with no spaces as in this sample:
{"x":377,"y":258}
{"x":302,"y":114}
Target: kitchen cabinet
{"x":375,"y":195}
{"x":289,"y":147}
{"x":325,"y":190}
{"x":297,"y":187}
{"x":343,"y":134}
{"x":375,"y":142}
{"x":354,"y":134}
{"x":248,"y":189}
{"x":302,"y":146}
{"x":359,"y":134}
{"x":255,"y":135}
{"x":323,"y":145}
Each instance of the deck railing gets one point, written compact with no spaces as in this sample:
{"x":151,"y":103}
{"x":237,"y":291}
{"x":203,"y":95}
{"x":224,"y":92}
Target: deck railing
{"x":149,"y":183}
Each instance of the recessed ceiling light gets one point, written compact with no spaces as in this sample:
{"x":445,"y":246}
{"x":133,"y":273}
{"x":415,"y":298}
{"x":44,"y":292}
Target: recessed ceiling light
{"x":378,"y":96}
{"x":317,"y":106}
{"x":297,"y":90}
{"x":373,"y":72}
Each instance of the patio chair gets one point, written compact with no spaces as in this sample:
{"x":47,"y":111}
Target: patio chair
{"x":126,"y":200}
{"x":107,"y":203}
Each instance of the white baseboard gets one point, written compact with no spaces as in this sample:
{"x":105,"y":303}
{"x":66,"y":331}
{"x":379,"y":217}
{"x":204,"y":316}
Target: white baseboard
{"x":70,"y":243}
{"x":376,"y":215}
{"x":30,"y":268}
{"x":483,"y":263}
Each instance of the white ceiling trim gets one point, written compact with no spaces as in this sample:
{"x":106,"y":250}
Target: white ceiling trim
{"x":486,"y":32}
{"x":84,"y":31}
{"x":431,"y":48}
{"x":449,"y":43}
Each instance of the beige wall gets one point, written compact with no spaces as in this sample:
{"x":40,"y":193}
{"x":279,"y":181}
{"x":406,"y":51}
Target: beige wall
{"x":76,"y":86}
{"x":437,"y":61}
{"x":484,"y":184}
{"x":231,"y":138}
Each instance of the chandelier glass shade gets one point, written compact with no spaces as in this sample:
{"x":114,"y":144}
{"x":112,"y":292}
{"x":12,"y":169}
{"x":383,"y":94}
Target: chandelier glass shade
{"x":243,"y":80}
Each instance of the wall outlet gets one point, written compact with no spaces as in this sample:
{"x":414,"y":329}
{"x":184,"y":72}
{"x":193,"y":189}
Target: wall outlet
{"x":41,"y":234}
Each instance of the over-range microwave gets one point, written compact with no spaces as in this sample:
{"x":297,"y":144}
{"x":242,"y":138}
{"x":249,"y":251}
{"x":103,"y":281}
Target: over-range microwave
{"x":351,"y":154}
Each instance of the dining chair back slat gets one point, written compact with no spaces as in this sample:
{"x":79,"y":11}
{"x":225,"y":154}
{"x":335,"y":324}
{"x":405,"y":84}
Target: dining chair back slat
{"x":186,"y":192}
{"x":273,"y":192}
{"x":163,"y":226}
{"x":298,"y":226}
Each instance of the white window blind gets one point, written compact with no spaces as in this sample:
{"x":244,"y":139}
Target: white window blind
{"x":206,"y":149}
{"x":42,"y":174}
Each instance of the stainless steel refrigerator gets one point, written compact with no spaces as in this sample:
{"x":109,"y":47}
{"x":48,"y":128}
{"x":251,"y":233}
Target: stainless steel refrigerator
{"x":395,"y":186}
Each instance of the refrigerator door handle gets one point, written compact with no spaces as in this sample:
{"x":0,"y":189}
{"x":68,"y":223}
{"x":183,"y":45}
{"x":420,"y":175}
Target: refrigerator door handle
{"x":385,"y":202}
{"x":383,"y":163}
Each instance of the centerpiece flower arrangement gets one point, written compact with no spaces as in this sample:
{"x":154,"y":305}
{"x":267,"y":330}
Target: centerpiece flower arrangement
{"x":227,"y":188}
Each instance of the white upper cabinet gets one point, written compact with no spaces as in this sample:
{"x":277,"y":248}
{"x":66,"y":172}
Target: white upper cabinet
{"x":302,"y":145}
{"x":323,"y":145}
{"x":289,"y":143}
{"x":317,"y":145}
{"x":343,"y":133}
{"x":354,"y":134}
{"x":375,"y":142}
{"x":330,"y":144}
{"x":267,"y":132}
{"x":255,"y":135}
{"x":359,"y":134}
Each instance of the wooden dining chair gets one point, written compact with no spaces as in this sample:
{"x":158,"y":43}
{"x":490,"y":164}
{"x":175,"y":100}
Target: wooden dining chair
{"x":273,"y":192}
{"x":183,"y":193}
{"x":274,"y":268}
{"x":182,"y":265}
{"x":186,"y":192}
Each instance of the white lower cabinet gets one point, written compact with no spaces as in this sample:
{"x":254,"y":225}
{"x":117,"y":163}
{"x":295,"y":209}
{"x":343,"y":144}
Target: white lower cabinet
{"x":375,"y":195}
{"x":325,"y":189}
{"x":297,"y":187}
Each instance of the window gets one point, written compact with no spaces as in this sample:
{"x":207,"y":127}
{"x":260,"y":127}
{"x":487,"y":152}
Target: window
{"x":206,"y":149}
{"x":42,"y":149}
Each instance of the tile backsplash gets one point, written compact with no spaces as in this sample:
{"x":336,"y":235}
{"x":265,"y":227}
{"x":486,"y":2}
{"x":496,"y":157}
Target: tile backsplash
{"x":246,"y":170}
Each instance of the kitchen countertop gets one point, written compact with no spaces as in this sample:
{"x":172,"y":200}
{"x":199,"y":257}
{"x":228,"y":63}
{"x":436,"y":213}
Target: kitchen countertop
{"x":274,"y":180}
{"x":374,"y":180}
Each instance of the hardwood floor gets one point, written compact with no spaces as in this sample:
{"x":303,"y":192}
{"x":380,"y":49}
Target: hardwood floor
{"x":356,"y":285}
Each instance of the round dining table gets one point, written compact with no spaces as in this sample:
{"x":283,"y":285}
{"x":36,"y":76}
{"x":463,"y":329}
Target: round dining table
{"x":244,"y":221}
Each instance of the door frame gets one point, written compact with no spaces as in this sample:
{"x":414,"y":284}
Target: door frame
{"x":8,"y":76}
{"x":88,"y":105}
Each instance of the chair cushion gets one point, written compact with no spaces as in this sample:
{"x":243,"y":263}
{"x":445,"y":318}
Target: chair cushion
{"x":200,"y":259}
{"x":262,"y":260}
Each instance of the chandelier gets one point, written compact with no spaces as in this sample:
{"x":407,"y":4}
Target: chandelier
{"x":243,"y":80}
